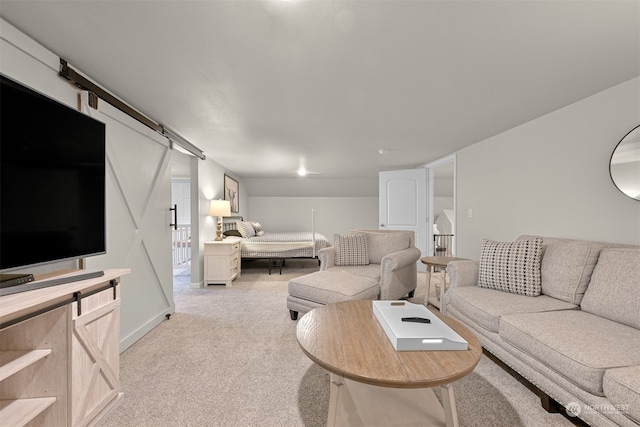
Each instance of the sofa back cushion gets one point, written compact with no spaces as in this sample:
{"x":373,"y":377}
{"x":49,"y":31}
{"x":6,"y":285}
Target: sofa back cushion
{"x":511,"y":266}
{"x":614,"y":290}
{"x":567,"y":268}
{"x":567,"y":265}
{"x":384,"y":242}
{"x":351,"y":249}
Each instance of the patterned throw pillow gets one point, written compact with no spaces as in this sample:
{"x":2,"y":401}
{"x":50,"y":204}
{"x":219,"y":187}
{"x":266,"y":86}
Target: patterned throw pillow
{"x":351,"y":249}
{"x":511,"y":266}
{"x":258,"y":228}
{"x":245,"y":228}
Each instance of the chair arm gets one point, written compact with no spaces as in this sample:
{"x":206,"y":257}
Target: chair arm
{"x":397,"y":260}
{"x":398,"y":273}
{"x":327,"y":257}
{"x":463,"y":273}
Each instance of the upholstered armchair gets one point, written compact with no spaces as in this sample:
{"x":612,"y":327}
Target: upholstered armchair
{"x":390,"y":257}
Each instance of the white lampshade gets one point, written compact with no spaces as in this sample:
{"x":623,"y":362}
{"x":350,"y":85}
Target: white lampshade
{"x":220,"y":208}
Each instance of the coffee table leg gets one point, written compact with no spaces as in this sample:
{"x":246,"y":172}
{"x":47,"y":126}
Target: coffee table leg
{"x":449,"y":406}
{"x":335,"y":384}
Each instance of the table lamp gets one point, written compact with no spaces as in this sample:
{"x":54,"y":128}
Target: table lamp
{"x":220,"y":208}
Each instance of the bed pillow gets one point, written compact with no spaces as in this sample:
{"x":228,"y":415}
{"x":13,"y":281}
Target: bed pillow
{"x":511,"y":266}
{"x":245,"y":228}
{"x":258,"y":228}
{"x":351,"y":249}
{"x":234,"y":233}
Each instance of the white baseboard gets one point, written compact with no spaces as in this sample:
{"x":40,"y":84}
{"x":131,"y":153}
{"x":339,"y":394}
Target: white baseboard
{"x":131,"y":339}
{"x":197,"y":285}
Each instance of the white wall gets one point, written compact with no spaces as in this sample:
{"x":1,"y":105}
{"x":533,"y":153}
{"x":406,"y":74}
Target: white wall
{"x":332,"y":214}
{"x":340,"y":205}
{"x":180,"y":197}
{"x":312,"y":186}
{"x":550,"y":176}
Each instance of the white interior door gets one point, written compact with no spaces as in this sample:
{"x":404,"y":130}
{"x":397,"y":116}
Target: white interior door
{"x":403,"y":204}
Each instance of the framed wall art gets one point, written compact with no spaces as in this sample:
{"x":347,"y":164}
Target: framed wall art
{"x":232,"y":193}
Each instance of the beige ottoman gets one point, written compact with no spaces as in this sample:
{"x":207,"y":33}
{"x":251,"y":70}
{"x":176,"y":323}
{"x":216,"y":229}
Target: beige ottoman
{"x":325,"y":287}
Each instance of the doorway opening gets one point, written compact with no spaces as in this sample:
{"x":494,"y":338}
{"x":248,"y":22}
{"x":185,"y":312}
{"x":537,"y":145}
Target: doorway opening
{"x":442,"y":207}
{"x":181,"y":231}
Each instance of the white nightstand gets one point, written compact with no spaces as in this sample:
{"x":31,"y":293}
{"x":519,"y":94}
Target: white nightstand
{"x":222,"y":260}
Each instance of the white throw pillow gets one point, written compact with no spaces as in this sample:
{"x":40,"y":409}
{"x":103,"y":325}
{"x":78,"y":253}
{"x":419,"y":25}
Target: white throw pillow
{"x":245,"y":228}
{"x":258,"y":228}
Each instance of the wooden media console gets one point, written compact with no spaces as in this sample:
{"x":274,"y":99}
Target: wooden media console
{"x":59,"y":352}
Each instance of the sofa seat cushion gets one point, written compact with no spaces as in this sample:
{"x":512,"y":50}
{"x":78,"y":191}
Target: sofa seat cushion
{"x":614,"y":290}
{"x":327,"y":287}
{"x":371,"y":271}
{"x":578,"y":345}
{"x":622,"y":388}
{"x":485,"y":306}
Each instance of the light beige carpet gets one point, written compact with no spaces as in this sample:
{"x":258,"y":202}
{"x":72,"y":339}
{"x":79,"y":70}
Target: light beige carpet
{"x":229,"y":357}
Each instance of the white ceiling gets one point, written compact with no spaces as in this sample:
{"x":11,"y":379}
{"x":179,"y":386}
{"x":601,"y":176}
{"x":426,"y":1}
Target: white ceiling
{"x":265,"y":86}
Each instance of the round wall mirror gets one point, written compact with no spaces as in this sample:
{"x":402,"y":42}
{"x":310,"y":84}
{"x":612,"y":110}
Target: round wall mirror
{"x":624,"y":166}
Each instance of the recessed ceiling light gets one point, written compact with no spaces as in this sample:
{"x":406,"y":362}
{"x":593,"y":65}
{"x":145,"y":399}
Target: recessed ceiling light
{"x":302,"y":171}
{"x":383,"y":151}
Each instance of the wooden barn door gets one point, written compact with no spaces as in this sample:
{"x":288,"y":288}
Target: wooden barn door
{"x":138,"y":218}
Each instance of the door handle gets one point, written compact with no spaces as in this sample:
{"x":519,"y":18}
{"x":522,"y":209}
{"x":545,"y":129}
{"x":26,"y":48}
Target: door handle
{"x":175,"y":217}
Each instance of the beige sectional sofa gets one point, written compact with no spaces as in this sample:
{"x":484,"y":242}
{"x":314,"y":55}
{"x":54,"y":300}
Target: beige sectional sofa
{"x":578,"y":341}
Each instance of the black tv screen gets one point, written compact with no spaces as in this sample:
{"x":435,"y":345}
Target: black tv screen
{"x":52,"y":180}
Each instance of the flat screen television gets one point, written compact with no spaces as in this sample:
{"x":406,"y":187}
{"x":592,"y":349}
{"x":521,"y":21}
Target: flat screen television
{"x":52,"y":180}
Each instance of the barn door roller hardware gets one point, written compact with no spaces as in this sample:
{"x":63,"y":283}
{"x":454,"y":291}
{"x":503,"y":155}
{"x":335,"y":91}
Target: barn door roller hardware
{"x":96,"y":92}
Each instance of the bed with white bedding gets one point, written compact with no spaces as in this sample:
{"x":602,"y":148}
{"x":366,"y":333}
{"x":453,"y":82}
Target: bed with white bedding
{"x":259,"y":244}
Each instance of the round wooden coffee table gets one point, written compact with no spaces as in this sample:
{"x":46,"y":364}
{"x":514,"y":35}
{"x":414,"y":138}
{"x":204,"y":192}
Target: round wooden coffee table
{"x":371,"y":382}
